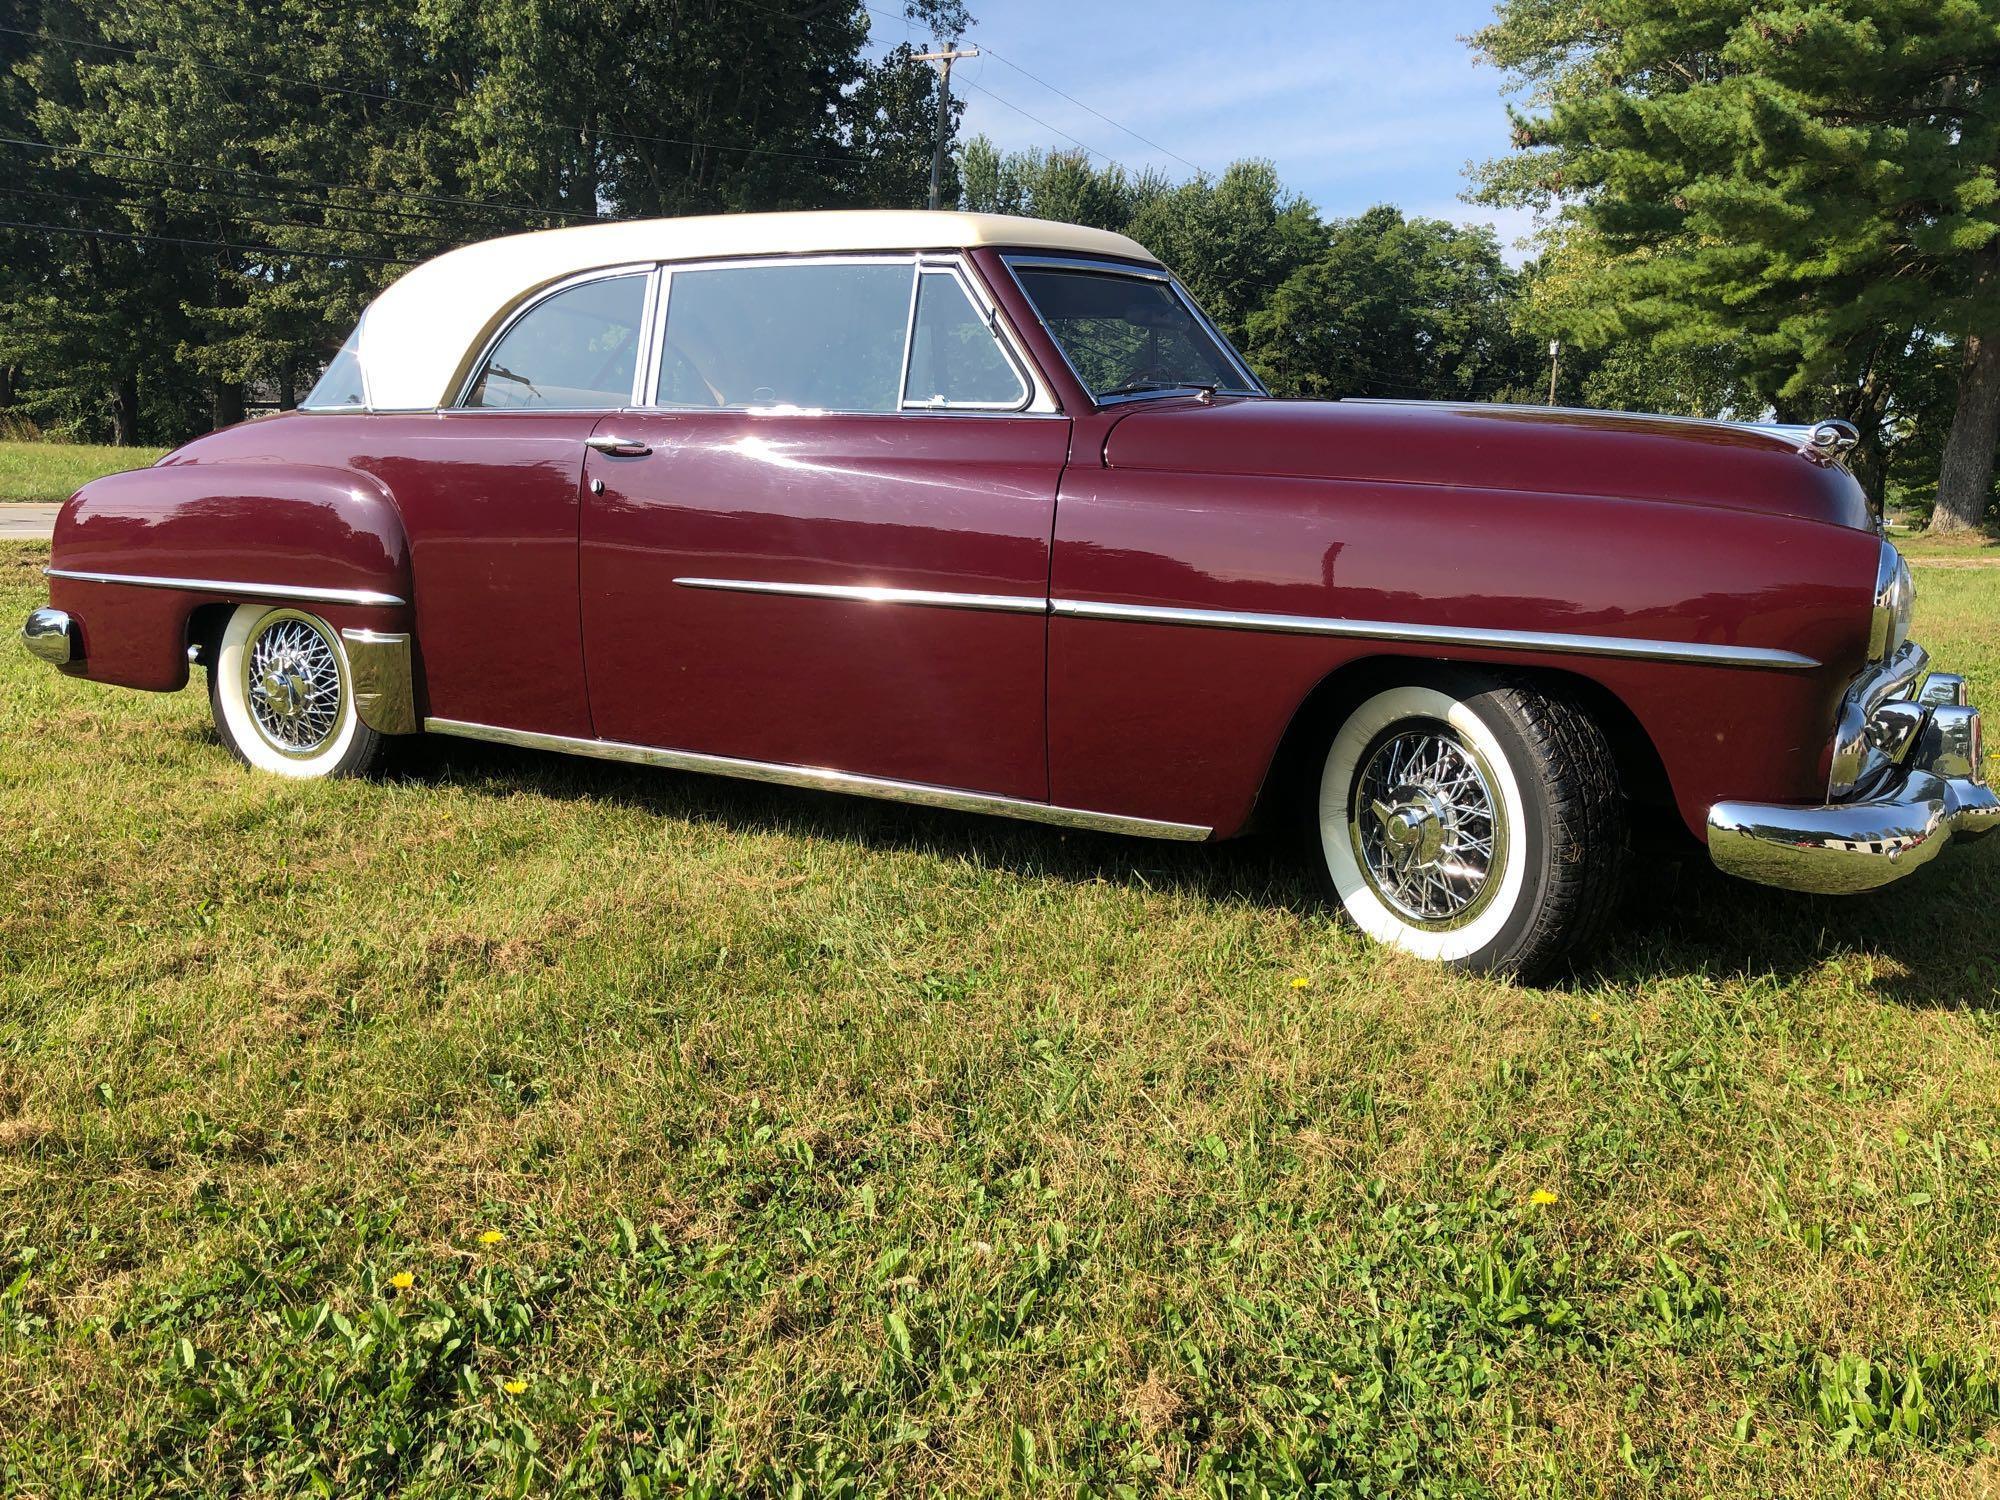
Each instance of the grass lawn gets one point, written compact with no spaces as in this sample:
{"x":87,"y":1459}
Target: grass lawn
{"x":54,"y":471}
{"x":516,"y":1124}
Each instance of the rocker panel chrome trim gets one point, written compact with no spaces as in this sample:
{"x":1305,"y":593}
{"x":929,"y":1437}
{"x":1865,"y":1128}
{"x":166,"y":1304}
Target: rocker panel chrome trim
{"x":233,"y":587}
{"x":1443,"y":635}
{"x":816,"y":779}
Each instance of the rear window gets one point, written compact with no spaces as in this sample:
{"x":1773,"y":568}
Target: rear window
{"x":341,"y":387}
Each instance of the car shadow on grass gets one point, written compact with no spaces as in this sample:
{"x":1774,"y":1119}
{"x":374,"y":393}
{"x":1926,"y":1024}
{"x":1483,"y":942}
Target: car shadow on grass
{"x":1256,"y":869}
{"x":1934,"y":939}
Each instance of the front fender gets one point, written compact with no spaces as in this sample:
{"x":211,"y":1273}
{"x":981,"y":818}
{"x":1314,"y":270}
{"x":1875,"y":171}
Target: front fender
{"x":136,"y":554}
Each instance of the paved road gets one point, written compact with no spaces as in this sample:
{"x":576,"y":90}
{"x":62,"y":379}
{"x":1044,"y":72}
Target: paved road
{"x":27,"y":522}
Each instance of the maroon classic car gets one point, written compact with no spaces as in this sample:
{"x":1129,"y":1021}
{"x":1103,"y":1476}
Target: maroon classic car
{"x":981,"y":512}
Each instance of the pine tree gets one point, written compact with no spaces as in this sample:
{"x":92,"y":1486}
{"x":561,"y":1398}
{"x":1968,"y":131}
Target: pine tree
{"x":1816,"y":180}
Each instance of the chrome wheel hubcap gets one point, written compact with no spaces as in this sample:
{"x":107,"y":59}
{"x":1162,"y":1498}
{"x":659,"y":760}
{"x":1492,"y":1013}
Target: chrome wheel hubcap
{"x":1427,"y":827}
{"x":292,"y":683}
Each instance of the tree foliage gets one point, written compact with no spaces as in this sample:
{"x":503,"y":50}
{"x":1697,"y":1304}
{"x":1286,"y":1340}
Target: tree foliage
{"x":229,"y":181}
{"x":1811,"y":185}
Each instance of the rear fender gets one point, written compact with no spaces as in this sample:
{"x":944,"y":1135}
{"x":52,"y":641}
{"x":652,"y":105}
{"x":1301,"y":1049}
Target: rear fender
{"x":136,"y":555}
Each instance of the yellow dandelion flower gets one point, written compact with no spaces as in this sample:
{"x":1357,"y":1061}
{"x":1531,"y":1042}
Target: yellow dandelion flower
{"x":1541,"y":1197}
{"x":1301,"y":983}
{"x":1597,"y":1018}
{"x":515,"y":1387}
{"x":492,"y":1237}
{"x":402,"y":1281}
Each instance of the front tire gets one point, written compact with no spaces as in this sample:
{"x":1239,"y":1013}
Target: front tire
{"x":1473,"y":821}
{"x":282,"y":693}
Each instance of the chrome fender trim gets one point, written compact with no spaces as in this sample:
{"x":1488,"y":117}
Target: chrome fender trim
{"x":816,"y":779}
{"x":378,"y":669}
{"x":233,"y":587}
{"x":1557,"y":642}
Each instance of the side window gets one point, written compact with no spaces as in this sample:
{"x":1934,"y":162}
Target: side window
{"x":955,"y":360}
{"x":576,"y":349}
{"x":827,"y":336}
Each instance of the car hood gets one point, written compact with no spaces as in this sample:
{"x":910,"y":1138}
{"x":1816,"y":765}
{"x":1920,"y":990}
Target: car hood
{"x":1543,"y":450}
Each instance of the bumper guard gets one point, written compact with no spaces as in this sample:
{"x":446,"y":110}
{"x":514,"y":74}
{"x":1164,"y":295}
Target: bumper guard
{"x":1924,"y":784}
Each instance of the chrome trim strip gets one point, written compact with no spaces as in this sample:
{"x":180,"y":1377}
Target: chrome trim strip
{"x":1222,"y":619}
{"x":1027,"y":604}
{"x":1443,"y":635}
{"x":230,"y":586}
{"x":815,"y":779}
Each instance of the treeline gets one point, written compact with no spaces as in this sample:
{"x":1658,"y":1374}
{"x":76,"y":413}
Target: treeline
{"x":218,"y":186}
{"x":1785,"y":207}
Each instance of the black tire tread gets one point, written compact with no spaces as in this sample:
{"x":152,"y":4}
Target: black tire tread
{"x":1587,"y":825}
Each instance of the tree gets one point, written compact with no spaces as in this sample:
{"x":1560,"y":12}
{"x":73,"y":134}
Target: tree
{"x":226,"y":183}
{"x":1414,"y":308}
{"x":1813,"y":182}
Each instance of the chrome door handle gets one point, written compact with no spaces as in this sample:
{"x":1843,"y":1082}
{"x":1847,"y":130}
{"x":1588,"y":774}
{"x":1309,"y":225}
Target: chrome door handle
{"x":623,"y":447}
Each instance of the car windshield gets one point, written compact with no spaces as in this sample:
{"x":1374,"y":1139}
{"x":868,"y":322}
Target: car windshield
{"x":1130,"y":335}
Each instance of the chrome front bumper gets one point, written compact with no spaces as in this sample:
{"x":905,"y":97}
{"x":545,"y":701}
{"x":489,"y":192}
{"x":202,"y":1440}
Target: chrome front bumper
{"x":52,"y":635}
{"x":1915,"y":764}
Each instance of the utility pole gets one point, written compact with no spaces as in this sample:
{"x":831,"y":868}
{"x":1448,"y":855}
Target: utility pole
{"x":944,"y":60}
{"x":1555,"y":356}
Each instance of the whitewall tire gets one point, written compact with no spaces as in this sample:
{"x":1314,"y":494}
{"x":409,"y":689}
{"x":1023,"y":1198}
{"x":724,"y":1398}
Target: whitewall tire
{"x":282,"y":692}
{"x":1473,"y":821}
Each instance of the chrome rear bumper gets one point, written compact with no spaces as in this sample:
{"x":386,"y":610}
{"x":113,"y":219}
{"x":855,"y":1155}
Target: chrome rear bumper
{"x":52,"y":635}
{"x":1924,"y":785}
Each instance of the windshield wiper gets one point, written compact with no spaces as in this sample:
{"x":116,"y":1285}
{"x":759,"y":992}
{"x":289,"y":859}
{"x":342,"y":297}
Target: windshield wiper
{"x":1141,"y":387}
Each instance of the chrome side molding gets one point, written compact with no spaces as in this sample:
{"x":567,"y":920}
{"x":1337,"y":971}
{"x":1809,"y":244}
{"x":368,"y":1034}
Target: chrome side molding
{"x":1444,"y":635}
{"x":293,"y":591}
{"x":1031,"y":604}
{"x":816,"y":779}
{"x":378,"y":665}
{"x":1562,"y":643}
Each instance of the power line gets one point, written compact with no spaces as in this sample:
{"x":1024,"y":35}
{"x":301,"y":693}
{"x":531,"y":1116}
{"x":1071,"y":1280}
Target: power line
{"x":171,"y":239}
{"x":296,"y":182}
{"x":555,"y":126}
{"x":1088,"y":109}
{"x":1082,"y":145}
{"x":262,"y":226}
{"x":1098,"y":112}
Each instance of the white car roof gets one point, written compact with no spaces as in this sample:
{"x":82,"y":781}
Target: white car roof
{"x":418,"y":334}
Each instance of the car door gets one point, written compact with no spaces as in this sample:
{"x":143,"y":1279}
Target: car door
{"x":827,"y":543}
{"x":489,"y":491}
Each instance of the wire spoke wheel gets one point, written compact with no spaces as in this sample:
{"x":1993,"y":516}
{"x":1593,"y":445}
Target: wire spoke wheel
{"x":294,"y":683}
{"x":1427,"y":827}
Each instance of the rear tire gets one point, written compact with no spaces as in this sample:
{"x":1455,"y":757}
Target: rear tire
{"x":1475,"y":821}
{"x":282,"y":693}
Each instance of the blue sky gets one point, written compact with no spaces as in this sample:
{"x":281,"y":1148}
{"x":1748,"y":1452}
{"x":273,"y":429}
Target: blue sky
{"x":1356,"y":103}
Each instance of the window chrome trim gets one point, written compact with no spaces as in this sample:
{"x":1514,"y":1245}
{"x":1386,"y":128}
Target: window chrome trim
{"x":956,"y":273}
{"x":1442,"y":635}
{"x":534,"y":300}
{"x":1557,"y":642}
{"x":1253,"y":386}
{"x":233,"y":587}
{"x":1038,"y":400}
{"x":1032,"y":604}
{"x":812,"y":778}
